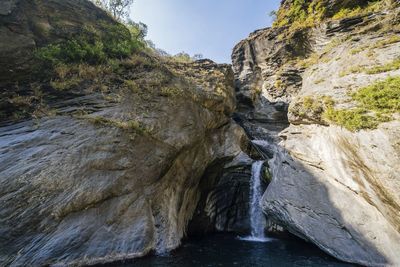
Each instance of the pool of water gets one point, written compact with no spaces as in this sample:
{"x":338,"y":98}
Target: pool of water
{"x":229,"y":250}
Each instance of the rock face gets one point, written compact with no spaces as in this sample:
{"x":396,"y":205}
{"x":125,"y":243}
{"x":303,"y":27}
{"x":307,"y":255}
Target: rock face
{"x":83,"y":190}
{"x":113,"y":169}
{"x":113,"y":161}
{"x":339,"y":191}
{"x":336,"y":188}
{"x":224,"y":202}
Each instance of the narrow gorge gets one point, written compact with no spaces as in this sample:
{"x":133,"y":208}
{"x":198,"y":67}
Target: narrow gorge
{"x":121,"y":152}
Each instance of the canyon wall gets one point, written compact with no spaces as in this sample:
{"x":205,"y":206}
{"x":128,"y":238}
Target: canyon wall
{"x":333,"y":185}
{"x":112,"y":160}
{"x":103,"y":162}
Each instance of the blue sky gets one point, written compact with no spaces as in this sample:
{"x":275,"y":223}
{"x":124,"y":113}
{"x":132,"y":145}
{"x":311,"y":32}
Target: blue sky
{"x":208,"y":27}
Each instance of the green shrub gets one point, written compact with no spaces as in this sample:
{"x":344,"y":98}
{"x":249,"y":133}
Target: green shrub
{"x":301,"y":13}
{"x":373,"y":6}
{"x":120,"y":42}
{"x":73,"y":51}
{"x":353,"y":119}
{"x":383,"y":96}
{"x":376,"y":104}
{"x":92,"y":46}
{"x":304,"y":13}
{"x":312,"y":108}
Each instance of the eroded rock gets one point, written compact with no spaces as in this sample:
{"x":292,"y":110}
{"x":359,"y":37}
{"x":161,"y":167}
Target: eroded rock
{"x":83,"y":190}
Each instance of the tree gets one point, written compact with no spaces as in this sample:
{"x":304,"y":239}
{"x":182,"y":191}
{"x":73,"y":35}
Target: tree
{"x":273,"y":14}
{"x":198,"y":57}
{"x":162,"y":53}
{"x":138,"y":29}
{"x":182,"y":57}
{"x":151,"y":44}
{"x":118,"y":8}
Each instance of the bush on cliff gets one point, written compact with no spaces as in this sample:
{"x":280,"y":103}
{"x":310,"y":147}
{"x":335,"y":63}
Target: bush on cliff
{"x":298,"y":14}
{"x":93,"y":47}
{"x":375,"y":104}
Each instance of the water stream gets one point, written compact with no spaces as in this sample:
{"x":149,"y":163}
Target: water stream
{"x":257,"y":219}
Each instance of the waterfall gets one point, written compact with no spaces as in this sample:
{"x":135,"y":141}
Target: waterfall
{"x":257,"y":219}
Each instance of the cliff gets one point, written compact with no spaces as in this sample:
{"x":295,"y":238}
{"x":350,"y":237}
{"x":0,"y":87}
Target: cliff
{"x":336,"y":161}
{"x":101,"y":158}
{"x":110,"y":152}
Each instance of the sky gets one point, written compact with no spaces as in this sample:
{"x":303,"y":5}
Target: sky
{"x":207,"y":27}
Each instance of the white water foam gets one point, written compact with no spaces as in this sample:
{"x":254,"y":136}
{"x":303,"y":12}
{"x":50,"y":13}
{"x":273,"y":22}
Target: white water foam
{"x":256,"y":239}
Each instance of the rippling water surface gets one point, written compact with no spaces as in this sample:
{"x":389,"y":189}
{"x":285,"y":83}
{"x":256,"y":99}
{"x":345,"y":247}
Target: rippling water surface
{"x":228,"y":250}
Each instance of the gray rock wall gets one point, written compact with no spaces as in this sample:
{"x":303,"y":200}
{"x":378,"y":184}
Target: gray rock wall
{"x":335,"y":188}
{"x":110,"y":171}
{"x":76,"y":192}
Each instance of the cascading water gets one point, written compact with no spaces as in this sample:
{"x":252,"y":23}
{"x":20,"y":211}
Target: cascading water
{"x":257,"y":219}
